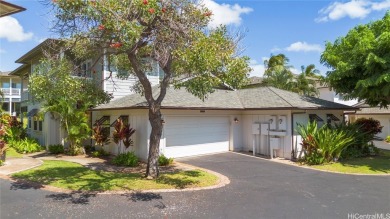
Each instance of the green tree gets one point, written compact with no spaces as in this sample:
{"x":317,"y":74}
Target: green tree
{"x":172,"y":33}
{"x":66,"y":97}
{"x":279,"y":75}
{"x":360,"y":63}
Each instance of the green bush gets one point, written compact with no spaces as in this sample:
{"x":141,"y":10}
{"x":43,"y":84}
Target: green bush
{"x":324,"y":144}
{"x":126,"y":159}
{"x":27,"y":145}
{"x":164,"y":161}
{"x":387,"y":139}
{"x":100,"y":153}
{"x":56,"y":149}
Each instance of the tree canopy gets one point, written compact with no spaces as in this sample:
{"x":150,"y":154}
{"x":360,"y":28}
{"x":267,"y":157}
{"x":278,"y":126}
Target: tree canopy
{"x":279,"y":75}
{"x":360,"y":63}
{"x":172,"y":33}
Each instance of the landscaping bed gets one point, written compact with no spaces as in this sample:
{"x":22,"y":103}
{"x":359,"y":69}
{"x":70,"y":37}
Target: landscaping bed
{"x":74,"y":176}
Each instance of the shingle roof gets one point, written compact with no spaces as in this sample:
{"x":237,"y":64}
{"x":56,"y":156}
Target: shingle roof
{"x":251,"y":98}
{"x":367,"y":109}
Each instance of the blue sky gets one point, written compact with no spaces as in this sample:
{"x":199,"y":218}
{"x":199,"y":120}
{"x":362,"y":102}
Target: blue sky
{"x":299,"y":29}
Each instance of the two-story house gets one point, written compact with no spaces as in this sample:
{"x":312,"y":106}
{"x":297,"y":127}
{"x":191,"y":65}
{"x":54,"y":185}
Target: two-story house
{"x":47,"y":129}
{"x":11,"y":88}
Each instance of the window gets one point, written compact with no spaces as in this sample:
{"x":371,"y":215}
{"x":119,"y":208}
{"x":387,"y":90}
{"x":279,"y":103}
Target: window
{"x":104,"y":121}
{"x":315,"y":117}
{"x":330,"y":118}
{"x":16,"y":85}
{"x":29,"y":122}
{"x":125,"y":120}
{"x":35,"y":124}
{"x":40,"y":125}
{"x":84,"y":69}
{"x":5,"y":85}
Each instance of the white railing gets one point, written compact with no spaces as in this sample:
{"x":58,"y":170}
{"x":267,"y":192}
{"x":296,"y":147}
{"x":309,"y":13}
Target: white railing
{"x":10,"y":91}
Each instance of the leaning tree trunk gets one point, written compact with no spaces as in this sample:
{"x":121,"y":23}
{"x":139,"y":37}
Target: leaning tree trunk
{"x":152,"y":170}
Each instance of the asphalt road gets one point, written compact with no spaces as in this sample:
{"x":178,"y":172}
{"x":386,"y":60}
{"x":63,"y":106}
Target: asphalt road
{"x":258,"y":189}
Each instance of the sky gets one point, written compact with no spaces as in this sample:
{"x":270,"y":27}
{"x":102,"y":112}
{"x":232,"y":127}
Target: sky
{"x":297,"y":28}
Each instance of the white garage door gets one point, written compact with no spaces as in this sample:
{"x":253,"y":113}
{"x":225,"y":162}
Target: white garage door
{"x":188,"y":136}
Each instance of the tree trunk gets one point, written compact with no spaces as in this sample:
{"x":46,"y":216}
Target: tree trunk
{"x":152,"y":170}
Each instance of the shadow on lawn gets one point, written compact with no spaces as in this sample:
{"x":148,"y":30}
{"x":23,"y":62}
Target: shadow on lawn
{"x":380,"y":163}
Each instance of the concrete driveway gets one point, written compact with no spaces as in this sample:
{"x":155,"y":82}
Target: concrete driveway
{"x":258,"y":189}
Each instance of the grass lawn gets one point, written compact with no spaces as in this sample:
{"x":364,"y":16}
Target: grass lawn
{"x":11,"y":153}
{"x":366,"y":165}
{"x":68,"y":175}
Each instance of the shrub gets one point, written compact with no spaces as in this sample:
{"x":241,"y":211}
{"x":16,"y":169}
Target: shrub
{"x":56,"y":149}
{"x":387,"y":139}
{"x":126,"y":159}
{"x":369,"y":126}
{"x":323,"y":144}
{"x":100,"y":153}
{"x":164,"y":161}
{"x":27,"y":145}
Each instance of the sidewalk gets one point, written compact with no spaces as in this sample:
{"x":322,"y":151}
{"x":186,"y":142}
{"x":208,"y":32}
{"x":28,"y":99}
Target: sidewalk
{"x":14,"y":165}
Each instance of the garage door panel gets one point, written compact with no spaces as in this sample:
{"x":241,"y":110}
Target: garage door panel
{"x":187,"y":136}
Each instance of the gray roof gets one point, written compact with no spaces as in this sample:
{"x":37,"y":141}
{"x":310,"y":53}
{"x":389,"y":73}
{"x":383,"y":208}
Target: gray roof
{"x":367,"y":109}
{"x":250,"y":98}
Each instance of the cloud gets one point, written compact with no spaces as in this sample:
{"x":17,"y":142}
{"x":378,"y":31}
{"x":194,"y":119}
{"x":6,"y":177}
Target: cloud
{"x":225,"y":14}
{"x":303,"y":47}
{"x":294,"y":70}
{"x":352,"y":9}
{"x":13,"y":31}
{"x":258,"y":69}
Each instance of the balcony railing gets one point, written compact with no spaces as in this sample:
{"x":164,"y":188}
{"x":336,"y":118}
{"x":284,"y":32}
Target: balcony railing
{"x":10,"y":91}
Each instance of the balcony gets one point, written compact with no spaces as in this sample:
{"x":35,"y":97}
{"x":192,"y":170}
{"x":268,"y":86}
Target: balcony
{"x":13,"y":92}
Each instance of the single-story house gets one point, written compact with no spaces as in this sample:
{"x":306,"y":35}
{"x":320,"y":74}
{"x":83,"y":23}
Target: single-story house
{"x":377,"y":113}
{"x":256,"y":119}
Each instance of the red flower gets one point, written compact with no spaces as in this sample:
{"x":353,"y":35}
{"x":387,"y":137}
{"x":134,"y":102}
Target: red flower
{"x":208,"y":14}
{"x":163,"y":10}
{"x":145,"y":2}
{"x":101,"y":27}
{"x":116,"y":45}
{"x":151,"y":10}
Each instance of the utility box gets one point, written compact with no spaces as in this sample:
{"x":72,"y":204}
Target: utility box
{"x":264,"y":128}
{"x":282,"y":123}
{"x":255,"y":129}
{"x":274,"y":144}
{"x":272,"y":122}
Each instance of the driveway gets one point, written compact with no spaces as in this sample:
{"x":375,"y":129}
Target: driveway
{"x":258,"y":189}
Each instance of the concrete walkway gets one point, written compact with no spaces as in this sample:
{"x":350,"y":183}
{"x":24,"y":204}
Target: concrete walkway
{"x":14,"y":165}
{"x":382,"y":145}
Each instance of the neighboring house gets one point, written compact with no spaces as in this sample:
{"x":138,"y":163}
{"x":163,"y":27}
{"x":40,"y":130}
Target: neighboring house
{"x":11,"y":88}
{"x":226,"y":121}
{"x":8,"y":8}
{"x":47,"y":130}
{"x":377,"y":113}
{"x":327,"y":93}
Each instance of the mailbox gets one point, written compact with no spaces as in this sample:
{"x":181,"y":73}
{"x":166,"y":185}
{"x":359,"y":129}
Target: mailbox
{"x":282,"y":123}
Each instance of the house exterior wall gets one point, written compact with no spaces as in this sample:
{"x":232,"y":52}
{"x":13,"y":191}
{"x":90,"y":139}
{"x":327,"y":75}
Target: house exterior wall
{"x":302,"y":117}
{"x":138,"y":120}
{"x":260,"y":142}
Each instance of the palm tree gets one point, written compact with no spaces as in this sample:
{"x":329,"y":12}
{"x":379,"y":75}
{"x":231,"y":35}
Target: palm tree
{"x":279,"y":75}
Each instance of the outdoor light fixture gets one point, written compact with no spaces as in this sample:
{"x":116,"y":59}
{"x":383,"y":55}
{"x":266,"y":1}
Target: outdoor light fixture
{"x":162,"y":121}
{"x":236,"y":120}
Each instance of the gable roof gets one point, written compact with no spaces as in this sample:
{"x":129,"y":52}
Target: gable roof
{"x":8,"y":8}
{"x":251,"y":98}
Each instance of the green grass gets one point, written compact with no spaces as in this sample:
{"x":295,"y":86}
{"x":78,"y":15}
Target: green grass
{"x":74,"y":176}
{"x":366,"y":165}
{"x":12,"y":153}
